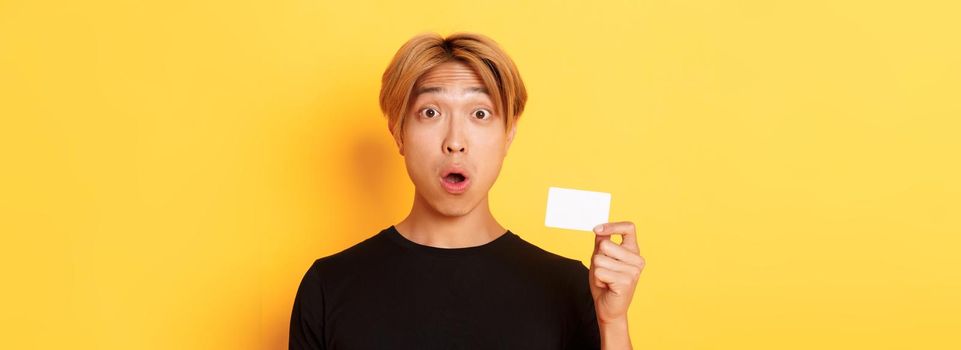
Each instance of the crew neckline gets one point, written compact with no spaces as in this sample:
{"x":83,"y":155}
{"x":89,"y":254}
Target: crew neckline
{"x":394,"y":235}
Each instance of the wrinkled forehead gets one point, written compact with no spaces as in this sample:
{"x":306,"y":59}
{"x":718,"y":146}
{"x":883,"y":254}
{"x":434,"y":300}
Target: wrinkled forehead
{"x":450,"y":77}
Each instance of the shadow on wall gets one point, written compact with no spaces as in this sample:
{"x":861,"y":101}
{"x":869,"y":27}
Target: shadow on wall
{"x":371,"y":192}
{"x":378,"y":190}
{"x":370,"y":188}
{"x":378,"y":177}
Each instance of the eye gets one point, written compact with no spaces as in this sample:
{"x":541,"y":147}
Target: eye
{"x":482,"y":114}
{"x":429,"y":112}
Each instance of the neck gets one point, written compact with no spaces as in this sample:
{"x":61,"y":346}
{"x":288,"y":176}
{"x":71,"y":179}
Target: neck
{"x":426,"y":226}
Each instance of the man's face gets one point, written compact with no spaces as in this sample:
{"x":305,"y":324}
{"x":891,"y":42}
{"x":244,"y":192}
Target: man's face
{"x":454,"y":140}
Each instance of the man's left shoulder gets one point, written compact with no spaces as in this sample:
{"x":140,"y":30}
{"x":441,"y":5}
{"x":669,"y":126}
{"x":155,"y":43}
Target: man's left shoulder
{"x":543,"y":258}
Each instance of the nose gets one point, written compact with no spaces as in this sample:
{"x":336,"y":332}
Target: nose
{"x":455,"y":141}
{"x":453,"y":146}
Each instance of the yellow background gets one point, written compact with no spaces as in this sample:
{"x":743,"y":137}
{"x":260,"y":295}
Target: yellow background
{"x":171,"y":168}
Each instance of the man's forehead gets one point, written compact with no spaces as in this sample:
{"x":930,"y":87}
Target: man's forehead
{"x":428,"y":89}
{"x":450,"y":76}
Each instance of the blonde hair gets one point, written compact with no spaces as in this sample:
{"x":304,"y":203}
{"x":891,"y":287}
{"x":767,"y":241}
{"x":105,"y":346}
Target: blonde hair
{"x":426,"y":51}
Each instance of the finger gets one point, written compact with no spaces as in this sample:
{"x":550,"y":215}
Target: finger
{"x":597,"y":241}
{"x":618,"y":252}
{"x":597,"y":281}
{"x":624,"y":228}
{"x":616,"y":281}
{"x":604,"y":261}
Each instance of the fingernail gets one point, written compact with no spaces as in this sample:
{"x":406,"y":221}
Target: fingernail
{"x":599,"y":228}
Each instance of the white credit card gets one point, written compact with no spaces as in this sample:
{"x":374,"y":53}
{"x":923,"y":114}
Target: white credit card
{"x":577,"y":209}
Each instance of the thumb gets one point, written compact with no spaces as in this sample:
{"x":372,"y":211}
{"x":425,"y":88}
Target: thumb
{"x":596,"y":282}
{"x":597,"y":241}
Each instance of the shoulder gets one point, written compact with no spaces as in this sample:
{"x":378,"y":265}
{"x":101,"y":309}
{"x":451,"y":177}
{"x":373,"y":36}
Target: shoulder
{"x":357,"y":256}
{"x":546,"y":259}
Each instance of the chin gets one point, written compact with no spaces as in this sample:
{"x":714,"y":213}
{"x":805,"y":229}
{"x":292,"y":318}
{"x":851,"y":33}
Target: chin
{"x":453,"y":209}
{"x":458,"y":206}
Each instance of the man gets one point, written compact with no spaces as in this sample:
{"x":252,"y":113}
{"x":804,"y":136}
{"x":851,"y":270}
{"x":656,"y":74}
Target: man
{"x":449,"y":276}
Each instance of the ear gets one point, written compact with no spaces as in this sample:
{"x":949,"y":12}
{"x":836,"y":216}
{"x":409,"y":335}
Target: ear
{"x":400,"y":144}
{"x":510,"y":136}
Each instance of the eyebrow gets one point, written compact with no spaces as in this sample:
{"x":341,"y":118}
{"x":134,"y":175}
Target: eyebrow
{"x":433,"y":89}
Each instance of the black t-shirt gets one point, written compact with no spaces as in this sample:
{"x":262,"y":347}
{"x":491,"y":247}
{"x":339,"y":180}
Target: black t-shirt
{"x":388,"y":292}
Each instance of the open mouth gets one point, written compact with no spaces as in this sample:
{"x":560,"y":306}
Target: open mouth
{"x":455,"y":178}
{"x":455,"y":182}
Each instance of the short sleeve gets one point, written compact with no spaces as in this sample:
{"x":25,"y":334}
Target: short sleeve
{"x":307,"y":317}
{"x":586,"y":333}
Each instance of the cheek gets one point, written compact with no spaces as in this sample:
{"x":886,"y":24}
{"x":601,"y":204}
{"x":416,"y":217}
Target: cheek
{"x":490,"y":158}
{"x":493,"y":145}
{"x":418,"y":156}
